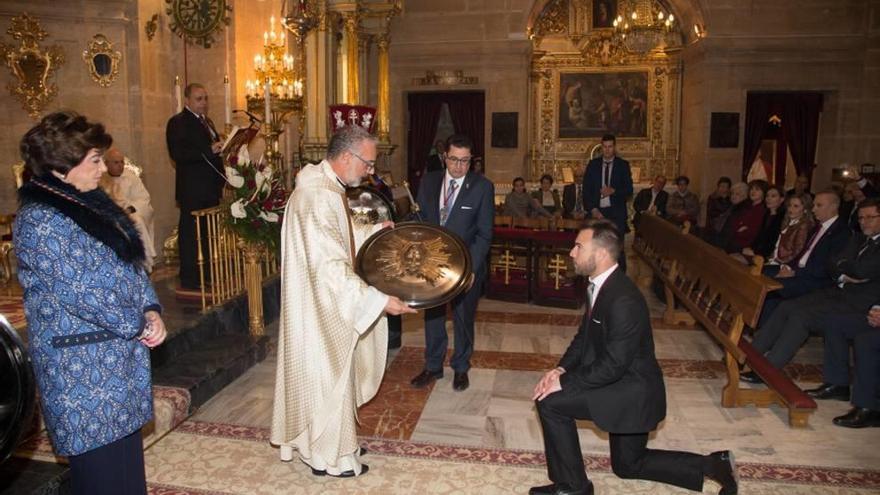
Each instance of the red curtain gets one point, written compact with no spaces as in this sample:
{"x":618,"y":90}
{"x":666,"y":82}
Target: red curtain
{"x":799,"y":112}
{"x":800,"y":124}
{"x":424,"y":114}
{"x":756,"y":122}
{"x":468,"y":111}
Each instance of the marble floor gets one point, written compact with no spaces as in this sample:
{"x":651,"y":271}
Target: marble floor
{"x":487,"y":439}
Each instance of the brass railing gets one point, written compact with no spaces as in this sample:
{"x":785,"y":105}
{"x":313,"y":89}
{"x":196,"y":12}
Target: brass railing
{"x":221,"y":261}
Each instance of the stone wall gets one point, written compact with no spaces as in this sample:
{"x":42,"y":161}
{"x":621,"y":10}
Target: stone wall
{"x":485,"y":39}
{"x":826,"y":46}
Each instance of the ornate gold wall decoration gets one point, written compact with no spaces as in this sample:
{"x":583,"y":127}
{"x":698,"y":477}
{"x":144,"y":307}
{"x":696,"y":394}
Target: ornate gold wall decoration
{"x":30,"y":64}
{"x":604,"y":48}
{"x":102,"y":60}
{"x":587,"y":52}
{"x":554,"y":19}
{"x":445,"y":78}
{"x":151,"y":27}
{"x":198,"y":20}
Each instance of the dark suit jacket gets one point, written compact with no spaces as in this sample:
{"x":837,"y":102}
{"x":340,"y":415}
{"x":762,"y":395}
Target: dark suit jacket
{"x":472,"y":216}
{"x":611,"y":361}
{"x":198,"y":183}
{"x":621,"y":181}
{"x":817,"y":272}
{"x":569,"y":197}
{"x":643,"y":200}
{"x":861,"y":267}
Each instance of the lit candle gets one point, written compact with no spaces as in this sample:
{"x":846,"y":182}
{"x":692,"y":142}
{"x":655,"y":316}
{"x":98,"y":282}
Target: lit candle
{"x":228,"y":99}
{"x":177,"y":96}
{"x":267,"y":89}
{"x":265,"y":38}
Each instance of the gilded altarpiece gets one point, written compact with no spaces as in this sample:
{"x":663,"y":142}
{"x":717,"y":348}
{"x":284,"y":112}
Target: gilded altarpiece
{"x":584,"y":82}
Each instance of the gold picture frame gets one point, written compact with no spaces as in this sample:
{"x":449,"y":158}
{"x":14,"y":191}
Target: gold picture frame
{"x":102,"y":60}
{"x":31,"y":65}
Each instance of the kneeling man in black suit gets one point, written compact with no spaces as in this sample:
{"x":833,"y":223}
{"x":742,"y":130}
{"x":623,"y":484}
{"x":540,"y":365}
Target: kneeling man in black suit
{"x":609,"y":375}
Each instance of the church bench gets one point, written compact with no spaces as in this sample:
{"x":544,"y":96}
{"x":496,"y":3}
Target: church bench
{"x":723,"y":295}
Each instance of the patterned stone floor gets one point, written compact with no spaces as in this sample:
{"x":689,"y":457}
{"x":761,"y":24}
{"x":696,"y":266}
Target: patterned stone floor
{"x":487,"y":440}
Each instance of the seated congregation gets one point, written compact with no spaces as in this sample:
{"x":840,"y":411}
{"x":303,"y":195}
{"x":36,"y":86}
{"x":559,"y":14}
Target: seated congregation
{"x":820,"y":248}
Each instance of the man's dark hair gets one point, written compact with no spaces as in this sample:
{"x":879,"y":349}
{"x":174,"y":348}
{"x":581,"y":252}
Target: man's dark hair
{"x":547,"y":177}
{"x":60,"y":142}
{"x":870,"y":203}
{"x":725,"y":180}
{"x":761,"y":184}
{"x":460,"y":141}
{"x":518,"y":179}
{"x":606,"y":235}
{"x":609,"y":137}
{"x":683,"y":178}
{"x":190,"y":87}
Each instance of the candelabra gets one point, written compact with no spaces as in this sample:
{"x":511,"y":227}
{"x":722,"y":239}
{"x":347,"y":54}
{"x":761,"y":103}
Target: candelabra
{"x":276,"y":91}
{"x":643,"y":26}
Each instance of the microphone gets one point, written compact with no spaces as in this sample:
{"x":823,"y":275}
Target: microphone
{"x":250,"y":115}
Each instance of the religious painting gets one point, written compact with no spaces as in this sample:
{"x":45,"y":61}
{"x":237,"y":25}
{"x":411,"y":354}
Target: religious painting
{"x":604,"y":12}
{"x":595,"y":103}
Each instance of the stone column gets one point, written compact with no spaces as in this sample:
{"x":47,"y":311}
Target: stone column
{"x":384,"y":109}
{"x":352,"y":55}
{"x":319,"y":63}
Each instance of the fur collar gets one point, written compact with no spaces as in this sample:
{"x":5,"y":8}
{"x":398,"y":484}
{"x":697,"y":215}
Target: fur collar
{"x":92,"y":211}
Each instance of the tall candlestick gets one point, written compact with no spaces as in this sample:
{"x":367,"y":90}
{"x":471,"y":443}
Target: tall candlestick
{"x":227,"y":100}
{"x":177,"y":96}
{"x":268,"y":97}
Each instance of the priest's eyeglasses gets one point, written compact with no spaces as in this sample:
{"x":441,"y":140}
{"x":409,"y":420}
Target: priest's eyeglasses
{"x":371,"y":164}
{"x":461,"y":161}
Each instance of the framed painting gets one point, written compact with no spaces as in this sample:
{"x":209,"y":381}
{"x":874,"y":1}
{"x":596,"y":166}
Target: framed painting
{"x":595,"y":103}
{"x":604,"y":12}
{"x":504,"y":129}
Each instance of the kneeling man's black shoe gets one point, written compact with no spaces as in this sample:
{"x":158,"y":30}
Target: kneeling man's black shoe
{"x":826,"y":391}
{"x":750,"y":377}
{"x":555,"y":489}
{"x":859,"y":417}
{"x":721,"y":467}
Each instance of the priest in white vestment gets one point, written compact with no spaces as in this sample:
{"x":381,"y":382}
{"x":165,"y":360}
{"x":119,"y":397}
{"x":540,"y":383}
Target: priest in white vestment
{"x":128,"y":191}
{"x":333,"y":340}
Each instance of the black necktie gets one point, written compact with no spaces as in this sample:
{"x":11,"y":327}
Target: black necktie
{"x":208,"y":127}
{"x":867,"y":245}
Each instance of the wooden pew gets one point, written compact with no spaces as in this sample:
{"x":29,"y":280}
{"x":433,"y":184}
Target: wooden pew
{"x":724,"y":296}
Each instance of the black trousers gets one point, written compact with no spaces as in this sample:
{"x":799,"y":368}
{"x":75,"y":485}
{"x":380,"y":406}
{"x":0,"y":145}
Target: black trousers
{"x":113,"y":469}
{"x":464,"y":310}
{"x":186,"y":246}
{"x":792,"y":322}
{"x":843,"y":330}
{"x":630,"y":457}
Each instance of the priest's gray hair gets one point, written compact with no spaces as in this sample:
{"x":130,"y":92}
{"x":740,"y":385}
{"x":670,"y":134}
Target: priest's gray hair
{"x":347,"y":139}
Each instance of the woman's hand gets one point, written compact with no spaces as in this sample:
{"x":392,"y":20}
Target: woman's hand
{"x":155,"y":332}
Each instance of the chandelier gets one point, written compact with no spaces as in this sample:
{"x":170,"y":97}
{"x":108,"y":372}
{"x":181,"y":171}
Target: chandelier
{"x":277,"y":86}
{"x":299,"y":19}
{"x":644,"y":26}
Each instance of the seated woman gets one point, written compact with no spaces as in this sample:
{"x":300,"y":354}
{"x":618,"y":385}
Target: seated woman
{"x":796,"y":228}
{"x":718,"y":206}
{"x":746,"y":218}
{"x":772,"y":225}
{"x":518,"y":203}
{"x":718,"y":235}
{"x":545,"y":200}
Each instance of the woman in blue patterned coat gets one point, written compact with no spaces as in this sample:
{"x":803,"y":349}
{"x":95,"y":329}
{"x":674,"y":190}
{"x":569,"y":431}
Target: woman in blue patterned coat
{"x":92,"y":313}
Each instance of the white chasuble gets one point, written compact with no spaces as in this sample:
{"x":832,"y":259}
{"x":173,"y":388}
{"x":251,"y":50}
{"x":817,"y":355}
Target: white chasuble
{"x":333,"y":337}
{"x":128,"y":190}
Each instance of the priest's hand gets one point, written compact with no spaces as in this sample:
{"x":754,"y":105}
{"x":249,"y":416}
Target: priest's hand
{"x":548,"y":384}
{"x":395,"y":306}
